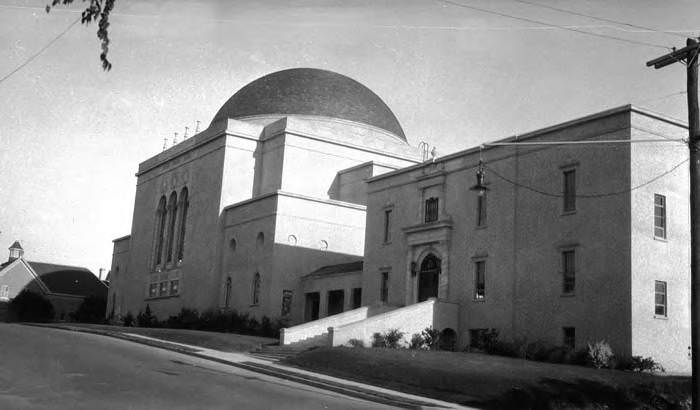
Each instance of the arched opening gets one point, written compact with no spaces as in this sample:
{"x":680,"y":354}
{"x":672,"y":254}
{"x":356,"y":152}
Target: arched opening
{"x":429,"y":278}
{"x":172,"y":212}
{"x":161,"y":215}
{"x":260,"y":240}
{"x":184,"y":205}
{"x":447,"y":339}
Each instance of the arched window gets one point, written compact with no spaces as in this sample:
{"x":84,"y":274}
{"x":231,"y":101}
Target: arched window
{"x":172,"y":212}
{"x":256,"y":289}
{"x":260,"y":240}
{"x":184,"y":204}
{"x":161,"y":214}
{"x":227,"y":298}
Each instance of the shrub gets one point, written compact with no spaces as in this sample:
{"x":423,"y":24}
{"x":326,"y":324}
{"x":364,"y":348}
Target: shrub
{"x":378,"y":340}
{"x":356,"y":343}
{"x":417,"y":342}
{"x":92,"y":310}
{"x":146,"y":319}
{"x":600,"y":354}
{"x":431,"y":337}
{"x":639,"y":364}
{"x":128,"y":320}
{"x":29,"y":306}
{"x":393,"y":338}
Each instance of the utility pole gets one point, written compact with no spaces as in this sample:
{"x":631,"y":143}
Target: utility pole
{"x":689,"y":56}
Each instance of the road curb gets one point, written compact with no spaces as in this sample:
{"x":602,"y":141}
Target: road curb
{"x":290,"y":375}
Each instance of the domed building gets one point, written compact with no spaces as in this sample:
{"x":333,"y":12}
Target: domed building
{"x":239,"y":215}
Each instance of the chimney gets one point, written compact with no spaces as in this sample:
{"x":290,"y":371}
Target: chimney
{"x":16,"y":251}
{"x":102,"y":270}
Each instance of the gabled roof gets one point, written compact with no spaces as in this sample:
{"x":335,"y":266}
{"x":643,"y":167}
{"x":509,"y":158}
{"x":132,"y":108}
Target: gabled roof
{"x":71,"y":280}
{"x":16,"y":245}
{"x":355,"y":266}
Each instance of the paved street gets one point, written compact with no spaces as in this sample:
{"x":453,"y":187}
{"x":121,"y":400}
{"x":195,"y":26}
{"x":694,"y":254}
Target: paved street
{"x":43,"y":368}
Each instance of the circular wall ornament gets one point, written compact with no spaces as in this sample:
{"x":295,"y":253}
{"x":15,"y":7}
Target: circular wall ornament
{"x":323,"y":245}
{"x":292,"y":240}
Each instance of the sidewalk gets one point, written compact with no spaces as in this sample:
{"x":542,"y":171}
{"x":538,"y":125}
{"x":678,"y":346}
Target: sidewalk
{"x":248,"y":362}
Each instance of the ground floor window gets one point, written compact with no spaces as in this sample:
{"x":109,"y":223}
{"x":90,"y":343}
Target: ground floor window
{"x":477,"y":338}
{"x":286,"y":302}
{"x":163,"y":288}
{"x":384,"y":288}
{"x":153,"y":290}
{"x":569,"y":337}
{"x":174,"y":287}
{"x":660,"y":298}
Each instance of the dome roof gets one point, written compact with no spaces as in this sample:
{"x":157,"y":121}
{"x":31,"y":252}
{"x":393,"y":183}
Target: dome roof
{"x":310,"y":91}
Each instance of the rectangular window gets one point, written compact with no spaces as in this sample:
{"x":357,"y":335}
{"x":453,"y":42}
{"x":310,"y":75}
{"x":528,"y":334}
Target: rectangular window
{"x":5,"y":292}
{"x":175,"y":287}
{"x":659,"y":216}
{"x":569,"y":337}
{"x":384,"y":289}
{"x":660,"y":298}
{"x":477,"y":338}
{"x":481,"y":210}
{"x":387,"y":225}
{"x":164,"y":288}
{"x":431,"y":210}
{"x":570,"y":190}
{"x":286,"y":302}
{"x":153,"y":290}
{"x":568,"y":263}
{"x":480,"y":280}
{"x":356,"y":298}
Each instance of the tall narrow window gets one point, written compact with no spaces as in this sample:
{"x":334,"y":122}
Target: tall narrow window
{"x":480,"y":280}
{"x":286,"y":302}
{"x":431,"y":210}
{"x":569,"y":337}
{"x":384,"y":287}
{"x":569,"y":271}
{"x":387,"y":225}
{"x":227,"y":295}
{"x":256,"y":289}
{"x":175,"y":287}
{"x":5,"y":292}
{"x":660,"y":298}
{"x":184,"y":205}
{"x":161,"y":215}
{"x":481,"y":210}
{"x":172,"y":212}
{"x":356,"y":298}
{"x":570,"y":190}
{"x":659,"y":216}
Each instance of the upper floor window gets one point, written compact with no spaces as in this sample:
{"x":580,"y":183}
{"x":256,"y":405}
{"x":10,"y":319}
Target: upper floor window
{"x":480,"y":280}
{"x":172,"y":213}
{"x":5,"y":292}
{"x":431,"y":209}
{"x":184,"y":205}
{"x":161,"y":216}
{"x":153,"y":290}
{"x":481,"y":210}
{"x":568,"y":261}
{"x":660,"y":300}
{"x":174,"y":287}
{"x":659,"y":216}
{"x":570,"y":190}
{"x":384,"y":287}
{"x":387,"y":225}
{"x":256,"y":289}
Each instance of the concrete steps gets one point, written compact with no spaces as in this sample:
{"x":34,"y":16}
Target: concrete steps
{"x":275,"y":353}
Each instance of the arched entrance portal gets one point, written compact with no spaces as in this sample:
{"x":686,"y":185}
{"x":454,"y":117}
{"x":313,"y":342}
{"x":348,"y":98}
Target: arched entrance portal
{"x":428,"y":278}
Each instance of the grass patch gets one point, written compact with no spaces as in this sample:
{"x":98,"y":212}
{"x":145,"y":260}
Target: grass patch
{"x":494,"y":382}
{"x":225,"y":342}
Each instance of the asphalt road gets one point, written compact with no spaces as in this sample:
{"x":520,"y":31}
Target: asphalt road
{"x":42,"y":368}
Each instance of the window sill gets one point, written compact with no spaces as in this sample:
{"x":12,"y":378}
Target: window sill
{"x":568,"y":295}
{"x":567,"y":213}
{"x":387,"y":243}
{"x":660,"y":317}
{"x":162,"y":297}
{"x":479,"y":227}
{"x":479,"y":300}
{"x":254,"y":305}
{"x":660,"y":239}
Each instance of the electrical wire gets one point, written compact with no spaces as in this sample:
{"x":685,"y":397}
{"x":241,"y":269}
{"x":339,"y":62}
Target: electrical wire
{"x":529,"y":20}
{"x":532,"y":3}
{"x":595,"y":195}
{"x":41,"y":50}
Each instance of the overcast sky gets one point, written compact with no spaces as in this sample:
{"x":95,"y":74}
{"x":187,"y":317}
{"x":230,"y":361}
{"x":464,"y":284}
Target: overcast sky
{"x":73,"y":135}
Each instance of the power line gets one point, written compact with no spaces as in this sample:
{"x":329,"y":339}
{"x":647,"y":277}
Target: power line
{"x":575,"y":30}
{"x":38,"y":53}
{"x":582,"y":142}
{"x":594,"y":195}
{"x":532,"y":3}
{"x":663,"y":97}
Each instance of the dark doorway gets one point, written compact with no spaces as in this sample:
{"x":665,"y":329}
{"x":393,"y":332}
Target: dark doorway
{"x":313,"y":300}
{"x":356,"y":298}
{"x":448,"y":340}
{"x":336,"y":301}
{"x":429,"y":278}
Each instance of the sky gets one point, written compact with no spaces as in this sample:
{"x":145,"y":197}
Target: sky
{"x":455,"y":73}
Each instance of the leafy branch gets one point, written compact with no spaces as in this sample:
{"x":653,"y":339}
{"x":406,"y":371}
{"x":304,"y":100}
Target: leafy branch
{"x":97,"y":10}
